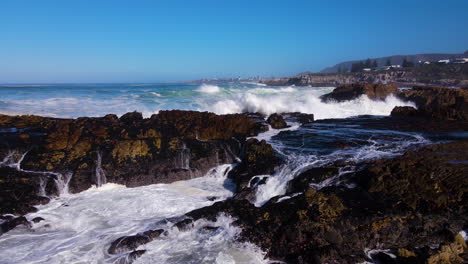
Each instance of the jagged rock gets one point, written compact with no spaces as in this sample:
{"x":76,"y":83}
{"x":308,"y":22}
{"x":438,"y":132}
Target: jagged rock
{"x":169,"y":146}
{"x":130,"y":243}
{"x":438,"y":102}
{"x":404,"y":111}
{"x":20,"y":190}
{"x":411,"y":202}
{"x":10,"y":224}
{"x":131,"y":118}
{"x":353,"y":91}
{"x":276,"y":121}
{"x":37,"y":219}
{"x":450,"y":253}
{"x":431,"y":178}
{"x":312,"y":175}
{"x":259,"y":158}
{"x":184,"y":224}
{"x":299,"y":117}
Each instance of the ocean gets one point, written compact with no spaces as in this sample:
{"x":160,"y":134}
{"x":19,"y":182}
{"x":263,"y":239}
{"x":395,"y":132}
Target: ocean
{"x":75,"y":100}
{"x":78,"y":228}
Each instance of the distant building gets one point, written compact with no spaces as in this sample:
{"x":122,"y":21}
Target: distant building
{"x":367,"y":69}
{"x":444,"y":61}
{"x":424,"y":62}
{"x":386,"y":68}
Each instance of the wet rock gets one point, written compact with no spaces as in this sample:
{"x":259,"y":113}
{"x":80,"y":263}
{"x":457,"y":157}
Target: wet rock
{"x":131,"y":118}
{"x":169,"y":146}
{"x":130,"y":243}
{"x":10,"y":224}
{"x":410,"y":202}
{"x":312,"y":175}
{"x":451,"y":253}
{"x":37,"y":219}
{"x":130,"y":257}
{"x":353,"y":91}
{"x":276,"y":121}
{"x":20,"y":191}
{"x":431,"y":178}
{"x":259,"y":158}
{"x":185,"y":224}
{"x":299,"y":117}
{"x":438,"y":103}
{"x":404,"y":111}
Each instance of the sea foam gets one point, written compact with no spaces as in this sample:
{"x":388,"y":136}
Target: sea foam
{"x":208,"y":88}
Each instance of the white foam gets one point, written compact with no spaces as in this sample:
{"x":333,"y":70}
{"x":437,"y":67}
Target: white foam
{"x":78,"y":228}
{"x":211,"y":246}
{"x":208,"y":88}
{"x":307,"y":101}
{"x":295,"y":164}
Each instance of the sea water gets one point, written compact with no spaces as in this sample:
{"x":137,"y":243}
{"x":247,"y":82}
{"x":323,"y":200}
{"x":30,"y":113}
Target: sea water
{"x":76,"y":100}
{"x":78,"y":228}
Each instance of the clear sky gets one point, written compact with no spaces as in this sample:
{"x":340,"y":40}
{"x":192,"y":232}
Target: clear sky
{"x":150,"y":41}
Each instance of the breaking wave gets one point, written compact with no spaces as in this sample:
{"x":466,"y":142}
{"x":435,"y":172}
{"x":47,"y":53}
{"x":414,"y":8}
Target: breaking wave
{"x":208,"y":88}
{"x":221,"y":98}
{"x":309,"y":103}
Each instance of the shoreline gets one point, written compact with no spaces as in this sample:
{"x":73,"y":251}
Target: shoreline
{"x":391,"y":199}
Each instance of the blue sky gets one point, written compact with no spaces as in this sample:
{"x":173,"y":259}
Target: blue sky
{"x":150,"y":41}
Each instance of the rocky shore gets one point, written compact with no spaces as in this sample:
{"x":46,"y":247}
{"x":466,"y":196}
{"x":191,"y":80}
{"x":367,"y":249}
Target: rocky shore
{"x":452,"y":76}
{"x":408,"y":209}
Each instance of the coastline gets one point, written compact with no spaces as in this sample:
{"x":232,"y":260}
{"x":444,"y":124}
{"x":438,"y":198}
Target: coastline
{"x":395,"y":204}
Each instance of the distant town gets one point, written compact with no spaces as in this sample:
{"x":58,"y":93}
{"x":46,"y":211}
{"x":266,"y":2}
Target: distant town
{"x":372,"y":65}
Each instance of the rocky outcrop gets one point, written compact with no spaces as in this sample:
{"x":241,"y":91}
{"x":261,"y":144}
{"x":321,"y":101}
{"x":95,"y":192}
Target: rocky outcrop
{"x":276,"y":121}
{"x":258,"y":160}
{"x":21,"y":190}
{"x":41,"y":154}
{"x":404,"y":111}
{"x":353,"y":91}
{"x":404,"y":205}
{"x":438,"y":103}
{"x":130,"y":243}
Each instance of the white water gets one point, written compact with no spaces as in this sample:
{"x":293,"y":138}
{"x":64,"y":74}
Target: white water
{"x":221,"y":98}
{"x":79,"y":228}
{"x":100,"y":174}
{"x":306,"y":101}
{"x":277,"y":183}
{"x":208,"y":88}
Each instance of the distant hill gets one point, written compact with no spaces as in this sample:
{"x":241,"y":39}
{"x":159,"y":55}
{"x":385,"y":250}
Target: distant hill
{"x":396,"y":59}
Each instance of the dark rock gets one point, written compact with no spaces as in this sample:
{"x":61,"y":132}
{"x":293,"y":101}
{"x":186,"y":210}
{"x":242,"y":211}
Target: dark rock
{"x":131,"y":117}
{"x":185,"y":224}
{"x":10,"y":224}
{"x":353,"y":91}
{"x":169,"y":146}
{"x":439,"y":103}
{"x":429,"y":179}
{"x":299,"y":117}
{"x":37,"y":219}
{"x":130,"y":257}
{"x":276,"y":121}
{"x":312,"y":175}
{"x":416,"y":200}
{"x":404,"y":111}
{"x":20,"y":191}
{"x":130,"y":243}
{"x":259,"y":158}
